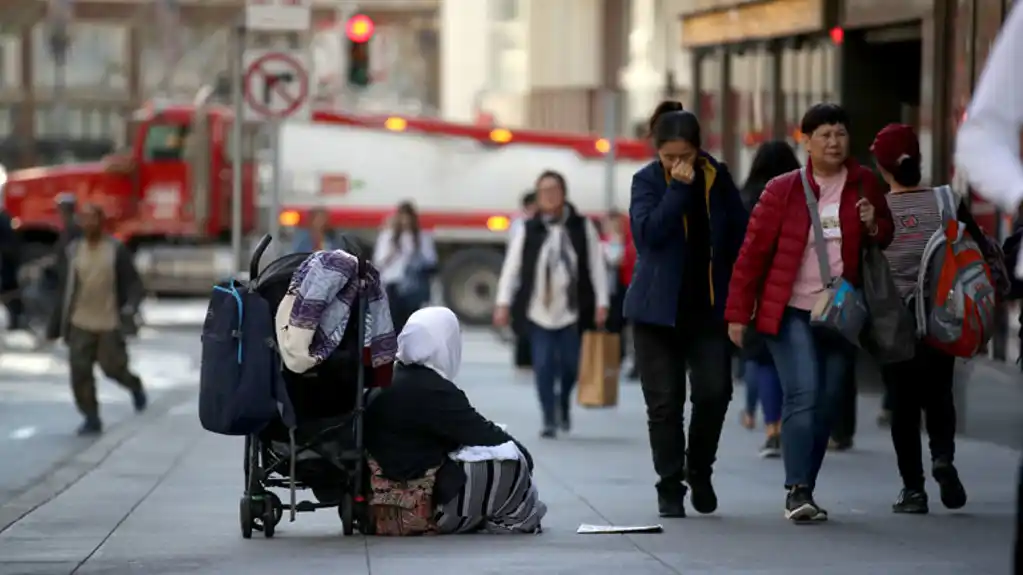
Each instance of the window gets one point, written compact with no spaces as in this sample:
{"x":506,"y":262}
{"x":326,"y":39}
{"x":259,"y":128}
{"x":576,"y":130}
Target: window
{"x":10,"y":61}
{"x":96,"y":57}
{"x":165,"y":142}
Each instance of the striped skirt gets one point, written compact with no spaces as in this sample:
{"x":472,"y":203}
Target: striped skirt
{"x":498,"y":497}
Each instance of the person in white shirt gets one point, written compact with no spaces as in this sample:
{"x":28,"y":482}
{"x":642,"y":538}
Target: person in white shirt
{"x":407,"y":258}
{"x":988,"y":152}
{"x":555,"y":278}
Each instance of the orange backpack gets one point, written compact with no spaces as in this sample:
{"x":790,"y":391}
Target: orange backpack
{"x":955,"y":293}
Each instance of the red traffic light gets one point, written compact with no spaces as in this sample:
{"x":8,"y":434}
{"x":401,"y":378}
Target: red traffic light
{"x":837,"y":35}
{"x":360,"y":28}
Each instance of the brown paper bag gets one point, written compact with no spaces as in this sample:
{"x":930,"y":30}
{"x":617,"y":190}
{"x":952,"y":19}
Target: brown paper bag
{"x":599,"y":365}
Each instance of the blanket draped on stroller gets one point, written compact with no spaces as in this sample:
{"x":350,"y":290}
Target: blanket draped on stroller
{"x":314,"y":313}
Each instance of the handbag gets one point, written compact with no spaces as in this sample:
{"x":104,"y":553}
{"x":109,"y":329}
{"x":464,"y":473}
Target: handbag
{"x":890,"y":336}
{"x":840,"y":307}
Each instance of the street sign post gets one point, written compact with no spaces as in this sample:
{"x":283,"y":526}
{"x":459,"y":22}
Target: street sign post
{"x":278,"y":15}
{"x":270,"y":85}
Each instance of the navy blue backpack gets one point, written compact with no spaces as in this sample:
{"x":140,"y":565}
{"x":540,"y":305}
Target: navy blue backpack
{"x":240,"y":377}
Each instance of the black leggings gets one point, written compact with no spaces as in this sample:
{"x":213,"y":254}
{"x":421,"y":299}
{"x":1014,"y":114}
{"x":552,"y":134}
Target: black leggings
{"x":923,"y":383}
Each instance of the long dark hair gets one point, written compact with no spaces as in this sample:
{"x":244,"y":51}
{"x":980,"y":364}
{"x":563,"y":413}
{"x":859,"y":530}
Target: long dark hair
{"x":772,"y":159}
{"x":405,"y":208}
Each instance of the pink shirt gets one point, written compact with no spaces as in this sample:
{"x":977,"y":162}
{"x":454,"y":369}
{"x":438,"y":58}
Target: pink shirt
{"x":809,"y":284}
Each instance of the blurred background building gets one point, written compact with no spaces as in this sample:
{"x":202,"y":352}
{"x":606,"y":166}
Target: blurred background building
{"x":748,"y":67}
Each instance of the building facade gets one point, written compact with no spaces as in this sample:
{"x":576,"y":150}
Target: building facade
{"x":533,"y":63}
{"x":757,"y":66}
{"x":123,"y":52}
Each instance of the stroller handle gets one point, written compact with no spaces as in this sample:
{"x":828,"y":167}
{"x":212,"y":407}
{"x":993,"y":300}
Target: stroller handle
{"x":257,"y":254}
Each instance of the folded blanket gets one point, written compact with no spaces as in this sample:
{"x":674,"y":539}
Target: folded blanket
{"x":320,"y":300}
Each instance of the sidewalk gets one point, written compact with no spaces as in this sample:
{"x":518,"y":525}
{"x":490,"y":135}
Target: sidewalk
{"x":165,"y":502}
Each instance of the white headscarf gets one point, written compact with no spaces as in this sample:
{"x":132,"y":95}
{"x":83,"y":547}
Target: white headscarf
{"x":432,"y":338}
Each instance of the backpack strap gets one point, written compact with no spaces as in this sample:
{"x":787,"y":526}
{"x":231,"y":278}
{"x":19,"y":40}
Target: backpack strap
{"x":948,"y":203}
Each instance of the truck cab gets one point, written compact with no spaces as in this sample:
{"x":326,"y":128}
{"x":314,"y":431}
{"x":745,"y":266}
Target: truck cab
{"x":171,"y":185}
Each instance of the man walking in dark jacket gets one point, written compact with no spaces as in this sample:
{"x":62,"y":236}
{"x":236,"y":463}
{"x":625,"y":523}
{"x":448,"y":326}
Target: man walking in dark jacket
{"x":99,"y":294}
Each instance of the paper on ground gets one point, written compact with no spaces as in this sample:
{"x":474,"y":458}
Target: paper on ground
{"x":588,"y":529}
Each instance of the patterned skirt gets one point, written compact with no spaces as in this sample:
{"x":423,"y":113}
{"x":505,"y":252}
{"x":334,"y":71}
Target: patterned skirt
{"x":498,"y":497}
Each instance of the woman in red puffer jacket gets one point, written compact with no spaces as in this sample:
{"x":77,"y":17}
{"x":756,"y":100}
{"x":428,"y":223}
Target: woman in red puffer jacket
{"x":777,"y":280}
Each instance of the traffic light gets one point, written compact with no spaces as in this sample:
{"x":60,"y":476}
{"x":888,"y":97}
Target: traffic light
{"x":359,"y":31}
{"x":358,"y":64}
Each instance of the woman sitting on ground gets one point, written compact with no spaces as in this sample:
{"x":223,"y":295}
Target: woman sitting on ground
{"x":423,"y":430}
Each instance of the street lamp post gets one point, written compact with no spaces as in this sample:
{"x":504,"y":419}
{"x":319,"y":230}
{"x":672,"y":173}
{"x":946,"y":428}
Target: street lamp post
{"x":60,"y":42}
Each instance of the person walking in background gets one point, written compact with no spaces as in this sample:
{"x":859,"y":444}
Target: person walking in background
{"x":10,"y":263}
{"x":316,"y":236}
{"x":778,"y":279}
{"x":556,"y":263}
{"x":613,"y":245}
{"x":101,"y":292}
{"x":407,"y":259}
{"x":688,"y":222}
{"x":761,"y":378}
{"x":925,"y":381}
{"x":523,"y":347}
{"x":625,"y":273}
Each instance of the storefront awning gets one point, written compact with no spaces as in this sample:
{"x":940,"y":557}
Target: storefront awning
{"x":760,"y":21}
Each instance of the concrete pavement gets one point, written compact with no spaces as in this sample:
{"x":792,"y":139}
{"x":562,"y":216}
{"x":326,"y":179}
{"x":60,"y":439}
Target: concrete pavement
{"x":164,"y":501}
{"x":37,"y":415}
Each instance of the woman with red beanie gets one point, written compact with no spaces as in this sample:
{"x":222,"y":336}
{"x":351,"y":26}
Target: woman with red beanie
{"x":924,"y":382}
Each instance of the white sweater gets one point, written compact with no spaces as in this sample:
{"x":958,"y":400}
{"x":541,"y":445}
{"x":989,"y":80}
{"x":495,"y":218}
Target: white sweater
{"x":556,"y":315}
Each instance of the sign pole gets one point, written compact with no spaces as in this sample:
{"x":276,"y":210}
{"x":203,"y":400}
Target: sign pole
{"x":610,"y":134}
{"x":237,"y":133}
{"x":275,"y":190}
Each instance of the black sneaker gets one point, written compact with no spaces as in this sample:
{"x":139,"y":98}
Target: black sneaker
{"x":139,"y":400}
{"x":671,"y":496}
{"x":91,"y":426}
{"x":771,"y":447}
{"x":953,"y":494}
{"x":799,"y":505}
{"x":548,"y":432}
{"x":840,"y":444}
{"x":911,"y":501}
{"x":703,"y":498}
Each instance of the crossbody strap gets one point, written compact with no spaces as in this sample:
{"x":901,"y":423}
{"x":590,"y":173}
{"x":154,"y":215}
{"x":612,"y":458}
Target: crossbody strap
{"x":818,"y":229}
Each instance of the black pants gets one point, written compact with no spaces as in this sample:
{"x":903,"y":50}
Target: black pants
{"x":844,"y":427}
{"x":1018,"y":555}
{"x":616,"y":321}
{"x":922,"y":383}
{"x":664,"y":355}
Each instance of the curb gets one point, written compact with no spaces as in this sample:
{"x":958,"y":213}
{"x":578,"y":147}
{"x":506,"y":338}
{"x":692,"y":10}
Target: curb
{"x":68,"y":471}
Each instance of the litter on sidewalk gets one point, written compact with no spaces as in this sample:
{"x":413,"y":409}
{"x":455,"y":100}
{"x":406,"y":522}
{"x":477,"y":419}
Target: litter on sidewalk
{"x":587,"y":529}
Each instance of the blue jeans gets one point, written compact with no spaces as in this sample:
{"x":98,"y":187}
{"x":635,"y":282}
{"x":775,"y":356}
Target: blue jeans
{"x":763,"y":379}
{"x":555,"y":357}
{"x":812,"y":367}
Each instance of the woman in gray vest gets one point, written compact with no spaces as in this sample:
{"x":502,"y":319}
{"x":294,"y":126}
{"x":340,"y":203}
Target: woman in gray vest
{"x":555,"y":278}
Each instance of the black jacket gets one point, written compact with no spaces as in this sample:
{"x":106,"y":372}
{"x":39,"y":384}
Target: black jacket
{"x":414,"y":424}
{"x":584,"y":297}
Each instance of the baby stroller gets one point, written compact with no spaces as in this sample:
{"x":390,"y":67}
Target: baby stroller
{"x":322,"y":449}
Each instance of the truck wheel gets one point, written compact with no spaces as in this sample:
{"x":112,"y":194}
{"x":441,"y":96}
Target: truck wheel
{"x":469,"y":281}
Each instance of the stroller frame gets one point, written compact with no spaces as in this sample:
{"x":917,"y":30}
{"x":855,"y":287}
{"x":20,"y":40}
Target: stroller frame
{"x":261,"y":509}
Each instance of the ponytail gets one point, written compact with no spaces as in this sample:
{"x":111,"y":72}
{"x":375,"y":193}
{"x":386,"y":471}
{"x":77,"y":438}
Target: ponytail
{"x":665,"y":107}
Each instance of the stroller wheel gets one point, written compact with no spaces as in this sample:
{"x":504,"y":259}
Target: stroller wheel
{"x":269,"y":518}
{"x":276,"y":505}
{"x":245,"y":516}
{"x":345,"y":510}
